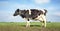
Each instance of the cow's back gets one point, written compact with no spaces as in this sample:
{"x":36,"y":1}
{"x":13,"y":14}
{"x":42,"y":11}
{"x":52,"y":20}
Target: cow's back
{"x":35,"y":13}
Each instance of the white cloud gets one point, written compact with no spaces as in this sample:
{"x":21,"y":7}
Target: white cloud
{"x":53,"y":11}
{"x":3,"y":3}
{"x":51,"y":8}
{"x":57,"y":13}
{"x":41,"y":1}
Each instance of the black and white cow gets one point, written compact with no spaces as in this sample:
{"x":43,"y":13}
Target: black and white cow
{"x":33,"y":14}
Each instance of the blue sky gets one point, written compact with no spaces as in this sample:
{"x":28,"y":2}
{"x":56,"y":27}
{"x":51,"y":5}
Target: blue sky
{"x":8,"y":7}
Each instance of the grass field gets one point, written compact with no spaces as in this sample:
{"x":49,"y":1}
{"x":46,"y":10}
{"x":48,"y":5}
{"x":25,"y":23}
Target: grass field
{"x":35,"y":26}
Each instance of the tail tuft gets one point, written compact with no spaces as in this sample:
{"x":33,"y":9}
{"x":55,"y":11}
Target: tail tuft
{"x":45,"y":11}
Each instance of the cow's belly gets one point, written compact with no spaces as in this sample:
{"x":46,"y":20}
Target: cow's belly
{"x":38,"y":18}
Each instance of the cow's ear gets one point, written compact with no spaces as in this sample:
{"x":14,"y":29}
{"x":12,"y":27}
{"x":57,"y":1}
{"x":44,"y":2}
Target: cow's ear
{"x":17,"y":10}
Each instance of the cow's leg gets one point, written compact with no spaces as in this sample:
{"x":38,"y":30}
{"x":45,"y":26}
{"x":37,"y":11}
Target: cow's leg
{"x":28,"y":23}
{"x":41,"y":20}
{"x":44,"y":20}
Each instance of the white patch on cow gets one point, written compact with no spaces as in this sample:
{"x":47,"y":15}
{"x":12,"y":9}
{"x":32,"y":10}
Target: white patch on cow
{"x":39,"y":18}
{"x":42,"y":18}
{"x":29,"y":12}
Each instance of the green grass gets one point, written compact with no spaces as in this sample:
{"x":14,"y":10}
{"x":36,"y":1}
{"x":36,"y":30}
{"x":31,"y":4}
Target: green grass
{"x":52,"y":24}
{"x":35,"y":26}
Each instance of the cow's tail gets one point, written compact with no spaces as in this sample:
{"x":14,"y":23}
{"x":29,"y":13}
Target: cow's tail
{"x":45,"y":11}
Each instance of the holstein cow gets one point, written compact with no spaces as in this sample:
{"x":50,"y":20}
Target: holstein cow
{"x":33,"y":14}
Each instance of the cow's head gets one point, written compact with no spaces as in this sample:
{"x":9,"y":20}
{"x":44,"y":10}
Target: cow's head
{"x":16,"y":12}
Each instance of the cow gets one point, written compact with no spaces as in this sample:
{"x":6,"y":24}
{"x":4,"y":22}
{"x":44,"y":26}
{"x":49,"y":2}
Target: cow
{"x":32,"y":14}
